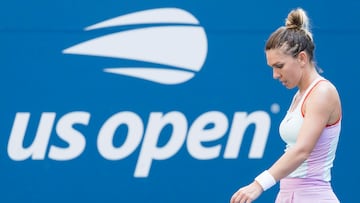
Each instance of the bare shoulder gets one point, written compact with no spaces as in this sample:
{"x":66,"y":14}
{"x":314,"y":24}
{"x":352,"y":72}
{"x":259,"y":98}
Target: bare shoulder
{"x":325,"y":98}
{"x":326,"y":90}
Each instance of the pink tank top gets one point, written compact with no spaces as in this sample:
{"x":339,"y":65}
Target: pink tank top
{"x":319,"y":163}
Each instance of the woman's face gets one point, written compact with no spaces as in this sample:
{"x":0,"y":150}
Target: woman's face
{"x":286,"y":68}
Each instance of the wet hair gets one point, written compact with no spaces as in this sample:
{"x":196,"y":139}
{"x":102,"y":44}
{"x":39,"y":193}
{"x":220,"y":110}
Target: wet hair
{"x":294,"y":37}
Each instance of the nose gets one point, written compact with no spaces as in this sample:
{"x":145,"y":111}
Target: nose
{"x":276,"y":74}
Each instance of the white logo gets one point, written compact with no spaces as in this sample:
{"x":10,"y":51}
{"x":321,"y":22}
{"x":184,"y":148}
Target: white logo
{"x":201,"y":142}
{"x":176,"y":45}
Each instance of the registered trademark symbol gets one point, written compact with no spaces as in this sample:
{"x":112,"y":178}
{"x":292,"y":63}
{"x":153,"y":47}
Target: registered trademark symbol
{"x":275,"y":108}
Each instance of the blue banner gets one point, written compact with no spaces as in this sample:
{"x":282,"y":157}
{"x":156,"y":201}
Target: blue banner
{"x":152,"y":101}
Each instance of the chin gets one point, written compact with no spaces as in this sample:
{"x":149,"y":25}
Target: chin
{"x":289,"y":86}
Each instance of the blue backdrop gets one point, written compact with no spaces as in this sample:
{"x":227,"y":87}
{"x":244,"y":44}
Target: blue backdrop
{"x":160,"y":102}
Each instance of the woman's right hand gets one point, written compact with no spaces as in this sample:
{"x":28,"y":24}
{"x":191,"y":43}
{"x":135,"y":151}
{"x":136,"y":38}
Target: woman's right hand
{"x":247,"y":194}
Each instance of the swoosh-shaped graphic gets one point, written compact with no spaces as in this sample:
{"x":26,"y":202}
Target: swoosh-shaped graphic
{"x":183,"y":47}
{"x":179,"y":46}
{"x":161,"y":15}
{"x":162,"y":76}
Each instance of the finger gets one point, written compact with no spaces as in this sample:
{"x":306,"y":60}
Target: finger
{"x":233,"y":198}
{"x":241,"y":198}
{"x":245,"y":200}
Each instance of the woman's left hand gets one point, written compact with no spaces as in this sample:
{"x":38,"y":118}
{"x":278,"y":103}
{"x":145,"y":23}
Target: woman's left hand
{"x":247,"y":194}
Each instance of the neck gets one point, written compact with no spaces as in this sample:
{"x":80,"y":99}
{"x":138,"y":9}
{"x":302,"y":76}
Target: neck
{"x":307,"y":79}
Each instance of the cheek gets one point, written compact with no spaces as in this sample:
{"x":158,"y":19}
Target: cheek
{"x":292,"y":71}
{"x":293,"y":77}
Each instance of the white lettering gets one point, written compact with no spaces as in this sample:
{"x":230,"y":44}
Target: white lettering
{"x":150,"y":150}
{"x":133,"y":138}
{"x":74,"y":138}
{"x":202,"y":136}
{"x":240,"y":123}
{"x":198,"y":133}
{"x":38,"y":147}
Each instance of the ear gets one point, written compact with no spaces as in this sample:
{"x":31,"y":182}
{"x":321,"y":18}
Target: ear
{"x":302,"y":58}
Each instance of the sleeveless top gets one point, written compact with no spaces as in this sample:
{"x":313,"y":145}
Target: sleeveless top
{"x":318,"y":165}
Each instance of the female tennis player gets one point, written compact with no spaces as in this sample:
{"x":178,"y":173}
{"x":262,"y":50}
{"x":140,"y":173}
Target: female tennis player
{"x":311,"y":127}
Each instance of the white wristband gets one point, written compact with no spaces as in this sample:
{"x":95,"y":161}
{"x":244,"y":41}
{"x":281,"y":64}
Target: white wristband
{"x":266,"y":180}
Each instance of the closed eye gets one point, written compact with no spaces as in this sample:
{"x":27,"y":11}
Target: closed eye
{"x":278,"y":65}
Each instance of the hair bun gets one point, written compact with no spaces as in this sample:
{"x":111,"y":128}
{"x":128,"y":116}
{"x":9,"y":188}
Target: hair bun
{"x":297,"y":19}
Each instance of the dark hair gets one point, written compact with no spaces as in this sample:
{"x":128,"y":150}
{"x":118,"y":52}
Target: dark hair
{"x":294,"y":37}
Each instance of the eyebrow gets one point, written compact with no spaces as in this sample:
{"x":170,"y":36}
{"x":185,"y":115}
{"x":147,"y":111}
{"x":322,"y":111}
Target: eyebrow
{"x":277,"y":64}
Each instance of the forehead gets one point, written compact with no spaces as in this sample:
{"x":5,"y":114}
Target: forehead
{"x":274,"y":56}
